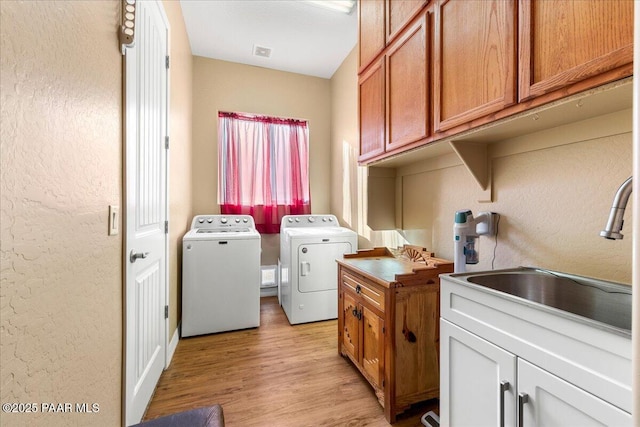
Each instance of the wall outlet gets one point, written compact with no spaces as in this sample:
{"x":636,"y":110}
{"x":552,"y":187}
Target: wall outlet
{"x":114,"y":220}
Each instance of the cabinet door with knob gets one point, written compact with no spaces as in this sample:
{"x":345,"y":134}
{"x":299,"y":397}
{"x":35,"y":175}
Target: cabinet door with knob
{"x":351,"y":327}
{"x":362,"y":329}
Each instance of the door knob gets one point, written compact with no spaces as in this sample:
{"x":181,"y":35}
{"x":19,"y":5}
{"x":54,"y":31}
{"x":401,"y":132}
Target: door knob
{"x":133,"y":256}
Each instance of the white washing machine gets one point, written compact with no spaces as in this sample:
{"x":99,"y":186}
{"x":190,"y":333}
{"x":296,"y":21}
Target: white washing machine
{"x":220,"y":275}
{"x":309,"y":247}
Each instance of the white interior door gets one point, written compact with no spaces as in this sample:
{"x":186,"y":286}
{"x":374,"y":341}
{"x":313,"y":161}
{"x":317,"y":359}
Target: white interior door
{"x":146,"y":207}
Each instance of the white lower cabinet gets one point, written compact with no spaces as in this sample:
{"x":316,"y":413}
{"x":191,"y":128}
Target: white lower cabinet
{"x":482,"y":384}
{"x":546,"y":400}
{"x":477,"y":380}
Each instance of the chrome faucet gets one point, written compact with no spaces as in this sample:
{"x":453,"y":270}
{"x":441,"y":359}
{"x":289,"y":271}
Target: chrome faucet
{"x":615,"y":222}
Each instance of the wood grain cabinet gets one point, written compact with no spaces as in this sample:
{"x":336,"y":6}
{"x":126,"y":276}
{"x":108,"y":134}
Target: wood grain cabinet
{"x":407,"y":86}
{"x":363,"y":332}
{"x":432,"y":69}
{"x":371,"y":30}
{"x":372,"y":111}
{"x":394,"y":94}
{"x":388,"y":311}
{"x":399,"y":13}
{"x":567,"y":42}
{"x":475,"y":60}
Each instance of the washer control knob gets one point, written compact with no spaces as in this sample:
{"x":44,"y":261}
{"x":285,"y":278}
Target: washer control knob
{"x":324,"y":219}
{"x":330,"y":219}
{"x":312,"y":219}
{"x":209,"y":220}
{"x":297,"y":219}
{"x":201,"y":220}
{"x":223,"y":220}
{"x":290,"y":219}
{"x":237,"y":220}
{"x":245,"y":220}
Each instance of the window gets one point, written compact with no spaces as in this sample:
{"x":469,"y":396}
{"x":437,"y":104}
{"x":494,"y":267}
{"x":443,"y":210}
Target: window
{"x":263,"y":168}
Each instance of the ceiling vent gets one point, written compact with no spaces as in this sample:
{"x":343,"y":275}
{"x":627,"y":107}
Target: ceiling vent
{"x":261,"y":51}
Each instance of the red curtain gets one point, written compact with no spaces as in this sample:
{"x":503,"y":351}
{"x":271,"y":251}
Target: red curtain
{"x":263,"y":168}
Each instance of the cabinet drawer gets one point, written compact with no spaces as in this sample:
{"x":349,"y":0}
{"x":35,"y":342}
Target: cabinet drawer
{"x":370,"y":293}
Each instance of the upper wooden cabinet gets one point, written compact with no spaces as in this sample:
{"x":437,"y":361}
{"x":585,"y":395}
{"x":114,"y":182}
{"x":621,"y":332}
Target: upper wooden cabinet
{"x":380,"y":21}
{"x":399,"y":13}
{"x":564,"y":42}
{"x":371,"y":30}
{"x":433,"y":69}
{"x":372,"y":111}
{"x":394,"y":94}
{"x":407,"y":88}
{"x":474,"y":60}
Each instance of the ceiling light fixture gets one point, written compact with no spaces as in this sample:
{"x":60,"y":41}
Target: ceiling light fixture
{"x":344,"y":6}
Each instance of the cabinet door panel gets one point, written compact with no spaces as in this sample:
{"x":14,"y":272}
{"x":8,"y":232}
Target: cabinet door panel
{"x":553,"y":402}
{"x":563,"y":42}
{"x":373,"y":346}
{"x":399,"y":13}
{"x":351,"y":332}
{"x":475,"y":60}
{"x":416,"y":340}
{"x":471,"y":370}
{"x":371,"y":30}
{"x":407,"y":87}
{"x":372,"y":104}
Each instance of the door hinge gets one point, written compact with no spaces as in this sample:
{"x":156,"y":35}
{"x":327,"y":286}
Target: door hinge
{"x":166,"y":142}
{"x":166,"y":311}
{"x":383,"y":329}
{"x":167,"y":61}
{"x":166,"y":227}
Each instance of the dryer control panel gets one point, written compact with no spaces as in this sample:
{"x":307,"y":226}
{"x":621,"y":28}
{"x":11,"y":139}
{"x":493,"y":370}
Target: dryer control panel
{"x":296,"y":221}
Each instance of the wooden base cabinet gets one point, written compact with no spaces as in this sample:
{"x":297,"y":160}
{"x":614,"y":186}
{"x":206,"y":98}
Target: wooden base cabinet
{"x":363,"y":337}
{"x":388,"y":311}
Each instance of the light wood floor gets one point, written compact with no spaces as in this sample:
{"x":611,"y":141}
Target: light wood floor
{"x":275,"y":375}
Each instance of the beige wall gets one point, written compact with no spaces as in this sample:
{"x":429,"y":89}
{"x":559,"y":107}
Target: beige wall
{"x":180,"y":188}
{"x":61,"y":153}
{"x":225,"y":86}
{"x":344,"y":140}
{"x":553,"y":202}
{"x":554,"y":190}
{"x":61,"y":294}
{"x":349,"y":182}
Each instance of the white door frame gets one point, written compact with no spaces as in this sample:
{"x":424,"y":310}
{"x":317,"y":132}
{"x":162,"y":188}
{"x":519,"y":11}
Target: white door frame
{"x":130,"y":136}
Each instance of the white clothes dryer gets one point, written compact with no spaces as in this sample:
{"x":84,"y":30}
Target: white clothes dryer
{"x":220,"y":275}
{"x":309,"y":247}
